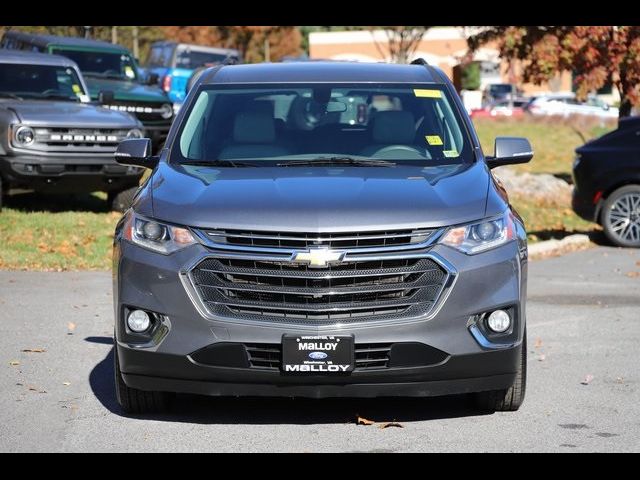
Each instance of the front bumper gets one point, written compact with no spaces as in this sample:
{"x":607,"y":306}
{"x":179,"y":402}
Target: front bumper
{"x":583,"y":206}
{"x":68,"y":173}
{"x":483,"y":282}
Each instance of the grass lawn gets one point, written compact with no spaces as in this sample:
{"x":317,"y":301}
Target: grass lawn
{"x":75,"y":232}
{"x":553,"y":140}
{"x":56,"y":232}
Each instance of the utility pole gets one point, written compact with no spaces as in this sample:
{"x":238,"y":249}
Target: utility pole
{"x":136,"y":49}
{"x":114,"y":35}
{"x":267,"y":53}
{"x":87,"y":31}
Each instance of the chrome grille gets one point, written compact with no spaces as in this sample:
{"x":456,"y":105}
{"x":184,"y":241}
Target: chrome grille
{"x":80,"y":140}
{"x":353,"y":291}
{"x":143,"y":111}
{"x":331,"y":240}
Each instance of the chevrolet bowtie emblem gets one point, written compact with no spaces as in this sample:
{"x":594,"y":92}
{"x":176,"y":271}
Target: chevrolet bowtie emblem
{"x":318,"y":257}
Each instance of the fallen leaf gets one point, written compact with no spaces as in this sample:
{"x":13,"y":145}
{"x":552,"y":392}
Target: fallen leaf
{"x":619,"y":380}
{"x":71,"y":326}
{"x":14,"y":362}
{"x":638,"y":263}
{"x":34,"y":350}
{"x":542,"y":358}
{"x":537,"y":343}
{"x":633,"y":274}
{"x":363,"y":421}
{"x":390,"y":424}
{"x":66,"y":384}
{"x":587,"y":379}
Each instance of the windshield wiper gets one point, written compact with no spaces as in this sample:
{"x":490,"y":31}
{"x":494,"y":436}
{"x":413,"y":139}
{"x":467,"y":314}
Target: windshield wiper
{"x":338,"y":161}
{"x":10,"y":95}
{"x":218,"y":163}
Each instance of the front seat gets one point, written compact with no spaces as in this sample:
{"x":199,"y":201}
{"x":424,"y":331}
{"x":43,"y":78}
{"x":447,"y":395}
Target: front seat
{"x":393,"y":136}
{"x":254,"y":136}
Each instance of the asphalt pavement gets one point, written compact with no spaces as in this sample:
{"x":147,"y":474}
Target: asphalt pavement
{"x":582,"y":392}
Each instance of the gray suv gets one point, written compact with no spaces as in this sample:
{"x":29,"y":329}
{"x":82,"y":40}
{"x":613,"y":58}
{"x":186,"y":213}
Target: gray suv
{"x":51,"y":138}
{"x":321,"y":230}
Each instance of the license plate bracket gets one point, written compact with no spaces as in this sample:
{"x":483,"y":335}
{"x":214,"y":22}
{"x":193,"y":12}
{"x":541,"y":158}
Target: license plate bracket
{"x":318,"y":354}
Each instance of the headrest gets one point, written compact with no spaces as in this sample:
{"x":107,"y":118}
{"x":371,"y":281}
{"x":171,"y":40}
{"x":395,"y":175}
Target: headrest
{"x":254,"y":127}
{"x":395,"y":127}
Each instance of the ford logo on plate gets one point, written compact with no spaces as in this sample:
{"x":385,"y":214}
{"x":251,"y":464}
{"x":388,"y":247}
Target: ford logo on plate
{"x":317,"y":355}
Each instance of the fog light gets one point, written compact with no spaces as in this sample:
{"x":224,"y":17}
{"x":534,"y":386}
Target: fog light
{"x":138,"y":321}
{"x":499,"y":321}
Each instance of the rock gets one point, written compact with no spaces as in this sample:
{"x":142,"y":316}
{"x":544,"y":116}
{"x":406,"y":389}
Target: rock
{"x":538,"y":186}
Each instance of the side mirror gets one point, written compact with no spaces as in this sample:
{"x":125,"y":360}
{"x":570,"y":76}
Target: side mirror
{"x":510,"y":151}
{"x":136,"y":151}
{"x":152,"y":78}
{"x":106,"y":97}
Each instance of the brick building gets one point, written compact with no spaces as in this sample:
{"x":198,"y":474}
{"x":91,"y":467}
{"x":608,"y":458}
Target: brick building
{"x":441,"y":46}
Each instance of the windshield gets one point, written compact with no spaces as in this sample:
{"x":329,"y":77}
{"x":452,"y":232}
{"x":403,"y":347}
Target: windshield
{"x":40,"y":81}
{"x":500,"y":88}
{"x":415,"y":124}
{"x":193,"y":59}
{"x":102,"y":64}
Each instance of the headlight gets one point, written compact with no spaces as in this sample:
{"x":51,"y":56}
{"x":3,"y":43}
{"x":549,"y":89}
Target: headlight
{"x":156,"y":236}
{"x":134,"y":133}
{"x":166,"y":110}
{"x":24,"y":136}
{"x":481,"y":236}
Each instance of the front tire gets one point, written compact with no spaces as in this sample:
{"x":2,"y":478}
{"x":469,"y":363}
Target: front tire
{"x":135,"y":401}
{"x":620,"y":217}
{"x":510,"y":399}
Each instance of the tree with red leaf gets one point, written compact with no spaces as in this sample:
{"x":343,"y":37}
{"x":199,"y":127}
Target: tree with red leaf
{"x":596,"y":55}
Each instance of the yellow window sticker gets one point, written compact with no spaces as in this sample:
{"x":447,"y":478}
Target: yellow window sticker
{"x":451,"y":153}
{"x":433,"y":139}
{"x":128,"y":71}
{"x":75,"y":88}
{"x":426,"y":93}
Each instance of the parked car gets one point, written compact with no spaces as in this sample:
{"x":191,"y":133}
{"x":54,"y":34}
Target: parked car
{"x":503,"y":108}
{"x":112,"y":76}
{"x":51,"y":139}
{"x":606,"y":175}
{"x":281,"y":248}
{"x":174,"y":63}
{"x":496,"y":92}
{"x":566,"y":104}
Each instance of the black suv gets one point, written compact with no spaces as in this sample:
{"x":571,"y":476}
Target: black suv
{"x":606,"y":175}
{"x":51,"y":139}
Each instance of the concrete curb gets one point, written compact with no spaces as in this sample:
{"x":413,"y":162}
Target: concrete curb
{"x":550,"y":248}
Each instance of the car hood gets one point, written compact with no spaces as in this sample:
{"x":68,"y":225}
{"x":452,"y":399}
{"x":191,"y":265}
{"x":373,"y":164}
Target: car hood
{"x":125,"y":90}
{"x":317,"y":198}
{"x":68,"y":114}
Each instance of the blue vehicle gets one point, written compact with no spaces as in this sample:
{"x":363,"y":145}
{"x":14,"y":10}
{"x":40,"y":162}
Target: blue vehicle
{"x":174,"y":64}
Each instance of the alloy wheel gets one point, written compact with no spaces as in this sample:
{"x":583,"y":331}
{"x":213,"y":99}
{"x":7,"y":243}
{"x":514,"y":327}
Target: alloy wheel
{"x":624,"y":218}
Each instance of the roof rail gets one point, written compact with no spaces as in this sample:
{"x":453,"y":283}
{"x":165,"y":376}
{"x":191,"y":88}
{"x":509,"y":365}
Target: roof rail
{"x":433,"y":71}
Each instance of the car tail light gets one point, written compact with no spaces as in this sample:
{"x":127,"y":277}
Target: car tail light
{"x":166,"y":83}
{"x":597,"y":197}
